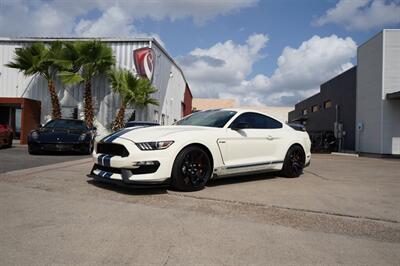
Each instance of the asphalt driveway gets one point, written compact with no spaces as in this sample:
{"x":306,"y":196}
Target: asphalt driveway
{"x":17,"y":158}
{"x":340,"y":211}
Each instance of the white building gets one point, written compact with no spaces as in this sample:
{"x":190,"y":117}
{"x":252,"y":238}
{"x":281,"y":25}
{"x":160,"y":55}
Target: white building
{"x":173,"y":92}
{"x":378,"y":94}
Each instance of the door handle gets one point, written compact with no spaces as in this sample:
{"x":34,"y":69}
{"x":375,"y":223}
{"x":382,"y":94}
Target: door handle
{"x":269,"y":137}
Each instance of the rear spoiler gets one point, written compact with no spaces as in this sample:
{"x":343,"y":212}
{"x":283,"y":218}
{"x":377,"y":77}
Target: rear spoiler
{"x":297,"y":127}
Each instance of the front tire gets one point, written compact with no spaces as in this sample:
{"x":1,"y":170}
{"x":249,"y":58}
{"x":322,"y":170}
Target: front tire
{"x":294,"y":162}
{"x":33,"y":151}
{"x":192,"y":169}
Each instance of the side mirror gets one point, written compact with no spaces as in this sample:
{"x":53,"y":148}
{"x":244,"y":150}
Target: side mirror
{"x":241,"y":125}
{"x":40,"y":126}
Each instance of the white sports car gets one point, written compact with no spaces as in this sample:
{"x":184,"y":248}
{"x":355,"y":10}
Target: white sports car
{"x":204,"y":145}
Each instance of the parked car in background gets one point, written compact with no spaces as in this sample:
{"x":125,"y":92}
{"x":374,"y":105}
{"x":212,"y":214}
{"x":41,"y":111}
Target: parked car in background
{"x":6,"y":136}
{"x":141,"y":124}
{"x":204,"y":145}
{"x":62,"y":135}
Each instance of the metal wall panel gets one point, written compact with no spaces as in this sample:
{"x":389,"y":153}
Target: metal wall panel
{"x":391,"y":83}
{"x":369,"y":95}
{"x":391,"y":79}
{"x":167,"y":77}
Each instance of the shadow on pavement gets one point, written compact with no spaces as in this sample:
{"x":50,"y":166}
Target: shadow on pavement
{"x":242,"y":179}
{"x":157,"y":190}
{"x":129,"y":190}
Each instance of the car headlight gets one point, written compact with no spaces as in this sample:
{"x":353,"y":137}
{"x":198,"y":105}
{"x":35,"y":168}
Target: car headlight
{"x":154,"y":145}
{"x":82,"y":137}
{"x":35,"y":135}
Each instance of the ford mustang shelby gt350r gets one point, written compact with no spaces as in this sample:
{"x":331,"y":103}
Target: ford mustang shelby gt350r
{"x":204,"y":145}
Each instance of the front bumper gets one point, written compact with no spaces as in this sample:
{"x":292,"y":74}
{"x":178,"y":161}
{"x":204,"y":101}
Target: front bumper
{"x":126,"y":170}
{"x":113,"y":178}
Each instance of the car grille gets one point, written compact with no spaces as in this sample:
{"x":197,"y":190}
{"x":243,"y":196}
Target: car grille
{"x":112,"y":149}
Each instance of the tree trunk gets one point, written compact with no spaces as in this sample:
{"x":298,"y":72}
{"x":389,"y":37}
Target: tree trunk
{"x":119,"y":119}
{"x":88,"y":104}
{"x":55,"y":103}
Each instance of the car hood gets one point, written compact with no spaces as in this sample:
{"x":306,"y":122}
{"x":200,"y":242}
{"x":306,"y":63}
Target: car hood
{"x":59,"y":135}
{"x":141,"y":134}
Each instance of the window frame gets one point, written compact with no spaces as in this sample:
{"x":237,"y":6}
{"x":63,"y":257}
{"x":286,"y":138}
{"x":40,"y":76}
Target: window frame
{"x":326,"y":102}
{"x":258,"y":114}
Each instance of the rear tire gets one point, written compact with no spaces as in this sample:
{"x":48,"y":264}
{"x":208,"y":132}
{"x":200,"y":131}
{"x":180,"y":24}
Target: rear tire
{"x":191,"y":170}
{"x":88,"y":150}
{"x":294,"y":162}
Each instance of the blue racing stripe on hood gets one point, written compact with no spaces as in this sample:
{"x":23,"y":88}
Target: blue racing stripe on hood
{"x":117,"y":134}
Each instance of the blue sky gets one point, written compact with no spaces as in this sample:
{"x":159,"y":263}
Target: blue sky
{"x":258,"y":52}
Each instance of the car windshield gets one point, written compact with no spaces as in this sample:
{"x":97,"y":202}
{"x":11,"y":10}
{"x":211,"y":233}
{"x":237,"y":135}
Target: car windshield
{"x":69,"y":124}
{"x":209,"y":118}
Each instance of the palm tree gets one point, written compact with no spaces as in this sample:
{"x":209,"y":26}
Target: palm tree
{"x":85,"y":60}
{"x":143,"y":98}
{"x":132,"y":90}
{"x":37,"y":59}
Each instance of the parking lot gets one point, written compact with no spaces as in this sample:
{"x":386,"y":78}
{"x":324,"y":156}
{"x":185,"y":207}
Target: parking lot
{"x":342,"y":210}
{"x":17,"y":157}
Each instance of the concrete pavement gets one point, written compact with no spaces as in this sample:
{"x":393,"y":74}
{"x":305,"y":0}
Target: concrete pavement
{"x":53,"y":215}
{"x":17,"y":157}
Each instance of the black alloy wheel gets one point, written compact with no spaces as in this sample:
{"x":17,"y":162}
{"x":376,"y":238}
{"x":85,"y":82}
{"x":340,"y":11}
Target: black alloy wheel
{"x":191,"y":170}
{"x":294,"y":162}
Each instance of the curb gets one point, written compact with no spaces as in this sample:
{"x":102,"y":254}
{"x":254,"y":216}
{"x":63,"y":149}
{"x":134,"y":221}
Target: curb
{"x":49,"y":167}
{"x":345,"y":154}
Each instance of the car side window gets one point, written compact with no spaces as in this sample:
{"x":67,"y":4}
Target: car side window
{"x":256,"y":121}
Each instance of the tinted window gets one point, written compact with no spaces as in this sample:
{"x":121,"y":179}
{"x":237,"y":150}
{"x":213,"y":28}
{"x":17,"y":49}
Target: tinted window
{"x":70,"y":124}
{"x":255,"y":120}
{"x":209,"y":118}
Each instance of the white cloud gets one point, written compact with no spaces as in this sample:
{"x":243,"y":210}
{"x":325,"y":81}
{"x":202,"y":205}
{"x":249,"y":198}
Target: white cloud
{"x":223,"y":65}
{"x":116,"y":18}
{"x":362,"y":14}
{"x":298,"y":74}
{"x":113,"y":20}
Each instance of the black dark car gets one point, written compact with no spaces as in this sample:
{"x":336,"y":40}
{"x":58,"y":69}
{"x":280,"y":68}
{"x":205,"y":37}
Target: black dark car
{"x":62,"y":135}
{"x":141,"y":124}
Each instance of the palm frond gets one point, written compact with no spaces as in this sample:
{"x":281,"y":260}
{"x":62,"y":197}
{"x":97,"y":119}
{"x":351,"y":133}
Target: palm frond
{"x":70,"y":77}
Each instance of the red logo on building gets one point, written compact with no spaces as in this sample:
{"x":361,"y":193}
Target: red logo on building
{"x":144,"y":62}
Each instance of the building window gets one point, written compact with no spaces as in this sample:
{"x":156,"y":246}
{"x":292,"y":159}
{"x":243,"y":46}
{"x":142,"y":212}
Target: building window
{"x":163,"y":119}
{"x":327,"y":104}
{"x":155,"y":116}
{"x":304,"y":112}
{"x":315,"y":108}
